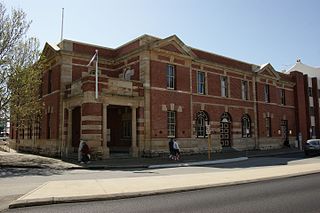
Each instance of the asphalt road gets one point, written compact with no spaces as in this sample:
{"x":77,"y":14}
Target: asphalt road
{"x":14,"y":182}
{"x":299,"y":194}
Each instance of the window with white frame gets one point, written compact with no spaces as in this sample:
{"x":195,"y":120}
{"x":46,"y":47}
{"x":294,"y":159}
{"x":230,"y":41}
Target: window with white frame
{"x":201,"y":82}
{"x":201,"y":122}
{"x":170,"y":76}
{"x":224,"y":86}
{"x":246,"y":126}
{"x":244,"y":89}
{"x":266,"y":93}
{"x":171,"y":115}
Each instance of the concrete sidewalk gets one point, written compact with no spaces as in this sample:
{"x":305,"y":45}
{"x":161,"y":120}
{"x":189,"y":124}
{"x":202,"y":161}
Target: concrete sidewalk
{"x":22,"y":160}
{"x":104,"y":189}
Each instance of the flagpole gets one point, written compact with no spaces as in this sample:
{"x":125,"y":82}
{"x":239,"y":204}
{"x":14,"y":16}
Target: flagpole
{"x":97,"y":75}
{"x":62,"y":17}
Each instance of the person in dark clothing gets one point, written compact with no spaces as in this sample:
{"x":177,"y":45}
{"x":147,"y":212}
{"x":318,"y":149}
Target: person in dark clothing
{"x":85,"y":153}
{"x":171,"y":150}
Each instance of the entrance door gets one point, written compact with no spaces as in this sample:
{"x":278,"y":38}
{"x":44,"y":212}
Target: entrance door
{"x":284,"y":132}
{"x":76,"y":119}
{"x":225,"y":130}
{"x":119,"y":125}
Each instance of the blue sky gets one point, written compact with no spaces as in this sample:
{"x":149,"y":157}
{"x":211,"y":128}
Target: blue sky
{"x":254,"y":31}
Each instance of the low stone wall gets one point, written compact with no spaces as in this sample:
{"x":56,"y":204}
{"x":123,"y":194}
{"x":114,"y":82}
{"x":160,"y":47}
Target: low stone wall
{"x":274,"y":143}
{"x":43,"y":147}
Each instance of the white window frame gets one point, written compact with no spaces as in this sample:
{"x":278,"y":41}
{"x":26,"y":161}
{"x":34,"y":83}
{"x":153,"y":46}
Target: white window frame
{"x":224,"y":86}
{"x":172,"y":122}
{"x":171,"y":76}
{"x":201,"y":82}
{"x":245,"y":90}
{"x":246,"y":126}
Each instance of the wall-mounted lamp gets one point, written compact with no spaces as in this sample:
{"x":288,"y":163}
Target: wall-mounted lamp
{"x":279,"y":131}
{"x":290,"y":132}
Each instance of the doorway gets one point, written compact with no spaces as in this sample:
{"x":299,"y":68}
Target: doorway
{"x":225,"y":130}
{"x":76,"y":121}
{"x":284,"y":132}
{"x":119,"y":124}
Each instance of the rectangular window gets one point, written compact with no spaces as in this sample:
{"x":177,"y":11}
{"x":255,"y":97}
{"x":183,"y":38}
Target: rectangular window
{"x":49,"y":81}
{"x":283,"y":96}
{"x":171,"y":123}
{"x":170,"y":76}
{"x":266,"y":93}
{"x":311,"y":111}
{"x":244,"y":89}
{"x":313,"y":132}
{"x":126,"y":128}
{"x":48,"y":126}
{"x":310,"y":91}
{"x":201,"y":82}
{"x":224,"y":86}
{"x":268,"y":127}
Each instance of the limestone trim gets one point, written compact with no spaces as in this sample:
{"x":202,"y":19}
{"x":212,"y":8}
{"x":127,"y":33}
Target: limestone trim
{"x":91,"y":127}
{"x":222,"y":105}
{"x":91,"y":118}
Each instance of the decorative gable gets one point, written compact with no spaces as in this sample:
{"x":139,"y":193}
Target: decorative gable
{"x":173,"y":44}
{"x":49,"y":51}
{"x":172,"y":48}
{"x":268,"y":71}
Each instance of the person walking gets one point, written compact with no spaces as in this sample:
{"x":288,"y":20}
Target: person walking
{"x":176,"y":150}
{"x":171,"y":150}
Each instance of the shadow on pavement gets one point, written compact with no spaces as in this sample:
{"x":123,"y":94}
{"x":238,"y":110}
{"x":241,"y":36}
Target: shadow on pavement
{"x":263,"y":161}
{"x":16,"y":172}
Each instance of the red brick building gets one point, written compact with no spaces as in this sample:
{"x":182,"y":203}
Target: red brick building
{"x":151,"y":89}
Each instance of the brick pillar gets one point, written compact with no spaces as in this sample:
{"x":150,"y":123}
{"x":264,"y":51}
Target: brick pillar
{"x":134,"y":148}
{"x":105,"y":148}
{"x":301,"y":96}
{"x":316,"y":105}
{"x":68,"y":145}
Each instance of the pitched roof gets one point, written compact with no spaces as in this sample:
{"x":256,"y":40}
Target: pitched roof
{"x":305,"y":69}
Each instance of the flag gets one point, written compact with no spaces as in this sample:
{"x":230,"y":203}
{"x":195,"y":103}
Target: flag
{"x":95,"y":56}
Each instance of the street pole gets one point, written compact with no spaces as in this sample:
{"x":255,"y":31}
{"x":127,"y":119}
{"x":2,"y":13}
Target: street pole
{"x":209,"y":146}
{"x":208,"y":132}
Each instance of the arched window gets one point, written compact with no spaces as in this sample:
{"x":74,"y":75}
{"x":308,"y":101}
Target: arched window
{"x":202,"y":119}
{"x":246,"y":126}
{"x":225,"y":129}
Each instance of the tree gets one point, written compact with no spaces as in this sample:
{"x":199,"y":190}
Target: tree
{"x":12,"y":31}
{"x":24,"y":85}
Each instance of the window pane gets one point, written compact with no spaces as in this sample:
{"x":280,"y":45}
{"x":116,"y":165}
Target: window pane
{"x":200,"y":82}
{"x":244,"y":90}
{"x":170,"y":76}
{"x":224,"y":86}
{"x":171,"y":123}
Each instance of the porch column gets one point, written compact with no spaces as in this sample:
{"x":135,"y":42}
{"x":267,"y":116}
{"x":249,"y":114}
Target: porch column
{"x":69,"y":137}
{"x":134,"y":148}
{"x":105,"y":149}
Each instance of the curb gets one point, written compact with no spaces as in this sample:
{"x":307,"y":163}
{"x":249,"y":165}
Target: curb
{"x":199,"y":163}
{"x":145,"y":166}
{"x":102,"y":197}
{"x":274,"y":154}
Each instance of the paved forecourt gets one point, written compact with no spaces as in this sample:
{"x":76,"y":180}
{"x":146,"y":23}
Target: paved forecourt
{"x":101,"y":189}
